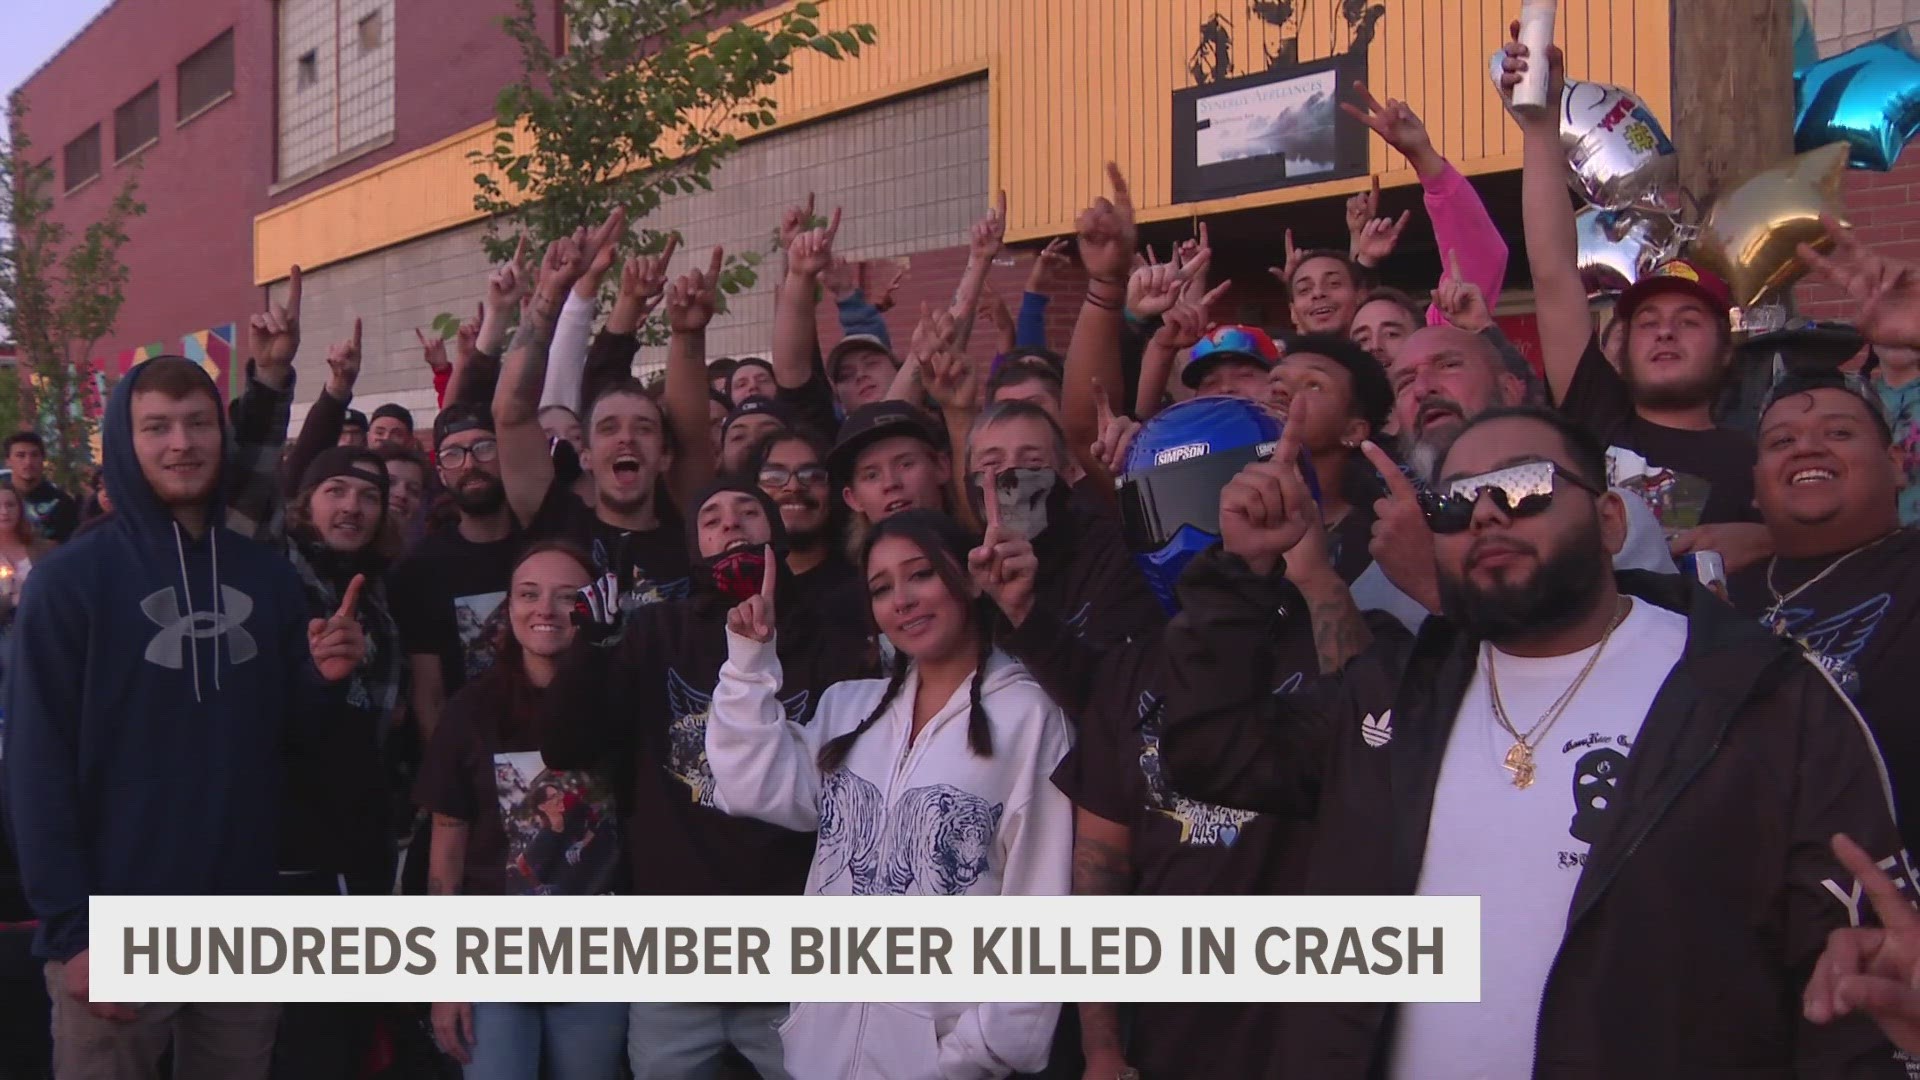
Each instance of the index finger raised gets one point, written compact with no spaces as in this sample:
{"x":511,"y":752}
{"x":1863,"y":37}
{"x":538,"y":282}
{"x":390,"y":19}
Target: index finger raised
{"x":351,"y":601}
{"x":1288,"y":452}
{"x":1372,"y":103}
{"x":1122,"y":194}
{"x":294,"y":289}
{"x":1895,"y":912}
{"x":520,"y":251}
{"x":772,"y":575}
{"x":356,"y":335}
{"x":666,"y":253}
{"x":1398,"y":486}
{"x":719,"y":256}
{"x":993,"y":508}
{"x":833,"y":225}
{"x":420,"y":337}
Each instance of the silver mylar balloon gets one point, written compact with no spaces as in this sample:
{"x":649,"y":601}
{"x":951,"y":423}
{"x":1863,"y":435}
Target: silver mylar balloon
{"x":1618,"y":247}
{"x":1619,"y":155}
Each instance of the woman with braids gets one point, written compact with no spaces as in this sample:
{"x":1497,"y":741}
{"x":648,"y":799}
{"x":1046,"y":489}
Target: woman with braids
{"x":933,"y":781}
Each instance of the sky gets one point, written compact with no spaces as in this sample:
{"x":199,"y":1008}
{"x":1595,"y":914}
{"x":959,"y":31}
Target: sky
{"x":35,"y":31}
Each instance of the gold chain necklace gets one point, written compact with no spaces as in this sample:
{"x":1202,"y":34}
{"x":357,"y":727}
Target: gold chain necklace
{"x":1772,"y":616}
{"x":1519,"y":759}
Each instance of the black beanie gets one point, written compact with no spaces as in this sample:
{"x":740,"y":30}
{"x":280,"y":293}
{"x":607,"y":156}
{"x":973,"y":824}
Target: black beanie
{"x":779,"y":528}
{"x":354,"y":461}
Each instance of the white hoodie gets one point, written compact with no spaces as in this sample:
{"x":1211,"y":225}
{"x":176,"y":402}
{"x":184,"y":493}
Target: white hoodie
{"x":932,"y":818}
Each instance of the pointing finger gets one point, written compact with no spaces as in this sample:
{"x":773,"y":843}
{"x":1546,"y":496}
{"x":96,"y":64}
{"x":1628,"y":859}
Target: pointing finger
{"x":809,"y":219}
{"x":293,"y":292}
{"x":520,"y":251}
{"x":833,"y":225}
{"x":772,"y":575}
{"x":1373,"y":198}
{"x":1218,"y":291}
{"x":1000,"y":204}
{"x":356,"y":335}
{"x":1288,"y":452}
{"x":1895,"y":912}
{"x":993,"y":505}
{"x":1398,"y":486}
{"x":1122,"y":194}
{"x":666,"y":253}
{"x":720,"y":255}
{"x":1400,"y":226}
{"x":420,"y":337}
{"x":351,"y":601}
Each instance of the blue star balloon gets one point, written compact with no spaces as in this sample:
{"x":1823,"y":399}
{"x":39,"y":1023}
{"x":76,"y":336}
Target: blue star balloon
{"x":1867,"y":97}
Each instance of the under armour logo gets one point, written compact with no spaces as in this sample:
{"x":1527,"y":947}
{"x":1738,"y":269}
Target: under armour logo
{"x":1378,"y":733}
{"x":168,"y":647}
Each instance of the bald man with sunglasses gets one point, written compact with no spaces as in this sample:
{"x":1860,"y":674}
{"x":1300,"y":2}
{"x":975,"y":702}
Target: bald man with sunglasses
{"x":1637,"y":782}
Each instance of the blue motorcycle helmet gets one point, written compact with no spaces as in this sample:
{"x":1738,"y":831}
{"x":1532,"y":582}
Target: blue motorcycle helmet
{"x":1172,"y":477}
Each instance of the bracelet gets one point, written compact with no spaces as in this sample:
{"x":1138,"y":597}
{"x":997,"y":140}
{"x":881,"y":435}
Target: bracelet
{"x":1122,"y":282}
{"x":1103,"y":305}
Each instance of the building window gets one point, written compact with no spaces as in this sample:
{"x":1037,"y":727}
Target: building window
{"x":137,"y":123}
{"x":334,"y":71}
{"x":204,"y":78}
{"x":80,"y":161}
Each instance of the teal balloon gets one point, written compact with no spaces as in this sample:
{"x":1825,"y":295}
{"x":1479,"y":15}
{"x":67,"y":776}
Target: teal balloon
{"x":1867,"y":97}
{"x":1805,"y":52}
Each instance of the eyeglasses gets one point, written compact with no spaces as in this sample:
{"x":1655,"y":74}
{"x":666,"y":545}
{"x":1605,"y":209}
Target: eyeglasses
{"x":455,"y":457}
{"x":776,"y":476}
{"x":1518,"y":491}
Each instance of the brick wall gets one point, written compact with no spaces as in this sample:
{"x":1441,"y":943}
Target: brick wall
{"x":1885,"y":209}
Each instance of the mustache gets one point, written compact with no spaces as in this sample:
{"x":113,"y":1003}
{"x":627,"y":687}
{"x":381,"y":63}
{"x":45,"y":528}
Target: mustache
{"x":1497,"y":545}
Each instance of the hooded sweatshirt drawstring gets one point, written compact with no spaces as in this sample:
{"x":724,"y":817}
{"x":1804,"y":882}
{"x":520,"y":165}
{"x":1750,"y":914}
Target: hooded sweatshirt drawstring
{"x":213,"y":537}
{"x":193,"y":646}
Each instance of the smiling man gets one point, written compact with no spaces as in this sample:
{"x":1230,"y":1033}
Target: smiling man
{"x":1324,"y":292}
{"x":1846,"y":580}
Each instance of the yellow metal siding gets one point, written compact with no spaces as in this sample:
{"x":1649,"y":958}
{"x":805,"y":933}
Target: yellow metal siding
{"x":1074,"y":83}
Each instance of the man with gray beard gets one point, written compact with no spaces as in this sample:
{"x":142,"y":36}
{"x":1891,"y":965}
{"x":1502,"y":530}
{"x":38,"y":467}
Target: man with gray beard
{"x":1442,"y":378}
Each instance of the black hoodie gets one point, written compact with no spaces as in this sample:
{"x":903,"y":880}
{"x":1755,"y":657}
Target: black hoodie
{"x":1088,"y":578}
{"x":639,"y":711}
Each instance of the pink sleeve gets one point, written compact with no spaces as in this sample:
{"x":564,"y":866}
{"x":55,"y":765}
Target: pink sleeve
{"x":1461,"y":224}
{"x":441,"y":376}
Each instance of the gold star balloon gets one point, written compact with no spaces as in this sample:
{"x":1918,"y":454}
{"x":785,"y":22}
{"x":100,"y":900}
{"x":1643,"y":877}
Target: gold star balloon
{"x":1751,"y":230}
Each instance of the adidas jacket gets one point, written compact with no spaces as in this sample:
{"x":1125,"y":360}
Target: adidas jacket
{"x":1701,"y":910}
{"x":930,"y":818}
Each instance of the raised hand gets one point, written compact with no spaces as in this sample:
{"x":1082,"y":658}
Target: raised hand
{"x":509,"y":284}
{"x":1361,"y":209}
{"x":837,"y":279}
{"x":1049,"y":263}
{"x":337,"y":644}
{"x":1378,"y":239}
{"x":1188,"y":320}
{"x":433,"y":350}
{"x":1873,"y":969}
{"x":343,"y":366}
{"x":597,"y":614}
{"x":1116,"y":433}
{"x":1460,"y":300}
{"x":753,"y":618}
{"x":811,"y":252}
{"x":1402,"y":543}
{"x":953,"y":381}
{"x":990,"y":232}
{"x":1887,"y":292}
{"x":1004,"y":565}
{"x":275,"y":332}
{"x":1107,"y":234}
{"x":466,"y":338}
{"x":1267,"y":510}
{"x":1514,"y":64}
{"x":1284,"y":272}
{"x":1397,"y":123}
{"x":597,"y":252}
{"x":884,"y":301}
{"x":935,"y":331}
{"x":794,"y":221}
{"x":692,"y":300}
{"x":561,"y":267}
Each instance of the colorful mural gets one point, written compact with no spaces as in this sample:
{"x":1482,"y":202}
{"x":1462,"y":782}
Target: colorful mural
{"x":212,"y":349}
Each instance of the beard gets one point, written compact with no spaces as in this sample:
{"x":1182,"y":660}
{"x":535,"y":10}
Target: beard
{"x":806,"y":539}
{"x":1560,"y":593}
{"x":1686,"y":394}
{"x":479,"y":501}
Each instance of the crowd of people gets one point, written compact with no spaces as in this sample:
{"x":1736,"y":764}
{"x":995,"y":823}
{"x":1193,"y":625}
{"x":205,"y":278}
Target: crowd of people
{"x":1365,"y":605}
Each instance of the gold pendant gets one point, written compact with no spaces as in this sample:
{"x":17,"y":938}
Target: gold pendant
{"x":1520,"y":763}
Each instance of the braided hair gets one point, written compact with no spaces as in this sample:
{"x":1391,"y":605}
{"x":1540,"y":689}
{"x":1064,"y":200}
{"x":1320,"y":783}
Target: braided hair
{"x":946,"y":545}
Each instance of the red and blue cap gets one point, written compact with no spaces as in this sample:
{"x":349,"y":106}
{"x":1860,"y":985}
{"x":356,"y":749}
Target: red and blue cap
{"x":1231,"y":341}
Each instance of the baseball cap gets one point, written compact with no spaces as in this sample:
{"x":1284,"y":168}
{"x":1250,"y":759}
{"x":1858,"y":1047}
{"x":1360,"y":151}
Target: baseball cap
{"x":1804,"y":344}
{"x":856,"y":343}
{"x":1372,"y":393}
{"x":397,"y":411}
{"x":1676,"y":275}
{"x":1229,"y":342}
{"x":757,"y":406}
{"x":459,"y":417}
{"x":354,"y":418}
{"x":1806,"y":380}
{"x":873,"y":423}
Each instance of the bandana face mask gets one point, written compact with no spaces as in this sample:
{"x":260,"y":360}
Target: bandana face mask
{"x":738,"y":573}
{"x":1026,"y":498}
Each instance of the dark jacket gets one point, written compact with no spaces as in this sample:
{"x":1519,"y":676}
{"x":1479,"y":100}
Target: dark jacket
{"x":1704,"y":903}
{"x":1088,"y":578}
{"x":638,"y":711}
{"x":53,"y":512}
{"x":158,"y":678}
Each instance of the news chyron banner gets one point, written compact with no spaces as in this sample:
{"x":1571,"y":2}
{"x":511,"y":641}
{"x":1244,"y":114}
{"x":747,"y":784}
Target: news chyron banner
{"x":785,"y":949}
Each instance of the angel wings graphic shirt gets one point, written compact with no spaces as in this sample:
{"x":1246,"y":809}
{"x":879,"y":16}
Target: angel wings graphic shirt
{"x":1860,"y":623}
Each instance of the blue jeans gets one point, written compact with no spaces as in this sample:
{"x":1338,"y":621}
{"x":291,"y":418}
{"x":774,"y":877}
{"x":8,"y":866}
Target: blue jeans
{"x":579,"y":1042}
{"x":674,"y":1041}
